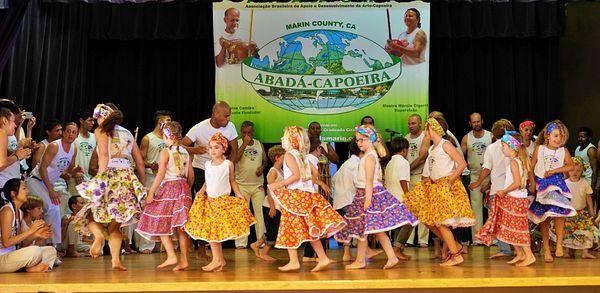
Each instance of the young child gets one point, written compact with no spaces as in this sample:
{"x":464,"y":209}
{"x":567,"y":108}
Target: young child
{"x":216,"y":216}
{"x":440,"y":201}
{"x":75,"y":245}
{"x":32,"y":211}
{"x":508,"y":218}
{"x":374,"y":210}
{"x":552,"y":200}
{"x":169,"y":198}
{"x":305,"y":215}
{"x":580,"y":230}
{"x":397,"y":181}
{"x":271,"y":211}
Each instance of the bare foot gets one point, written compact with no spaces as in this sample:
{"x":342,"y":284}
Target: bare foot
{"x":267,"y":257}
{"x":371,"y":253}
{"x":401,"y":256}
{"x":391,"y":263}
{"x":526,"y":262}
{"x":587,"y":255}
{"x":181,"y":267}
{"x":74,"y":254}
{"x":559,"y":251}
{"x":96,"y":247}
{"x":309,"y":259}
{"x":147,"y":251}
{"x":321,"y":265}
{"x":209,"y":267}
{"x":515,"y":260}
{"x":498,"y":255}
{"x":256,"y":248}
{"x":290,"y":267}
{"x":39,"y":268}
{"x":356,"y":265}
{"x":117,"y":266}
{"x":453,"y":261}
{"x":347,"y":258}
{"x":168,"y":262}
{"x":548,"y":256}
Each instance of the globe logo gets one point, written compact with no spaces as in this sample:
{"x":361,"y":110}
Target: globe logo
{"x":321,"y":72}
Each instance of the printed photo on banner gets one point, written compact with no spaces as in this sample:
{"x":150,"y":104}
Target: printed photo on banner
{"x":292,"y":63}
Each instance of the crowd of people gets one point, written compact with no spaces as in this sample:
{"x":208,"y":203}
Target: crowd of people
{"x":87,"y":184}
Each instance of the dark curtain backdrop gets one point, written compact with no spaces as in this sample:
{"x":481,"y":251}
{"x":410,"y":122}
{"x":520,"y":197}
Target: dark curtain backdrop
{"x":498,"y":58}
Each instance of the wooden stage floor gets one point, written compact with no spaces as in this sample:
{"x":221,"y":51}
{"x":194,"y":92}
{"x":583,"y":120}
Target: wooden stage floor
{"x":244,"y":273}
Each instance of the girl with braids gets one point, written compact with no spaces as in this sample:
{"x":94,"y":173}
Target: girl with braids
{"x":373,"y":210}
{"x":305,"y":215}
{"x":508,"y":216}
{"x":215,"y":216}
{"x":169,"y":198}
{"x":551,"y":160}
{"x":440,"y":201}
{"x":13,"y":254}
{"x":115,"y":194}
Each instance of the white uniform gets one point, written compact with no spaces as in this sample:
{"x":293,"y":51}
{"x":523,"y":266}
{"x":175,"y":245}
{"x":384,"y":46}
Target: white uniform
{"x":475,"y":150}
{"x":414,"y":147}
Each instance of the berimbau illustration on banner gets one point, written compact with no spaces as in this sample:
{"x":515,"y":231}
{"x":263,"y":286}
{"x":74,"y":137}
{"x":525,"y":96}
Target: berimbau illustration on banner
{"x":279,"y":64}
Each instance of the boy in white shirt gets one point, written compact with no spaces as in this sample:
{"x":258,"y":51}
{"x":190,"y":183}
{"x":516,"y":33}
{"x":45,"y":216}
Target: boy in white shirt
{"x":397,"y":181}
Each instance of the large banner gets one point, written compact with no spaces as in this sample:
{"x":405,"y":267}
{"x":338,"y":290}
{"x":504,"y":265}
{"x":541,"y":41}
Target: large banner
{"x":280,"y":64}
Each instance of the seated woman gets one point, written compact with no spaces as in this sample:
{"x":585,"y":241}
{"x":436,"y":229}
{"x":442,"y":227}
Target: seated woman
{"x":12,"y":235}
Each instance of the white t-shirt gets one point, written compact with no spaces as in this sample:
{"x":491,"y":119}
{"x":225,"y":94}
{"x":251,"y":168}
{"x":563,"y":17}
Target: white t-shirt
{"x":343,"y":183}
{"x":396,"y":170}
{"x":201,"y":133}
{"x":85,"y":148}
{"x":314,"y":161}
{"x":227,"y":36}
{"x":579,"y":191}
{"x":495,"y":161}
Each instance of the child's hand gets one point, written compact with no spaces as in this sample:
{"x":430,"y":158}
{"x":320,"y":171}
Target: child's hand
{"x":272,"y":212}
{"x":501,"y":193}
{"x":326,"y":190}
{"x":474,"y":185}
{"x":150,"y":198}
{"x":241,"y":196}
{"x":367,"y":203}
{"x":275,"y":186}
{"x":548,"y":173}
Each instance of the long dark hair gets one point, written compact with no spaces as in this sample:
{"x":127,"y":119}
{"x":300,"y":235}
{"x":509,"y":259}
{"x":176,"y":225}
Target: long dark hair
{"x":12,"y":185}
{"x":417,"y":13}
{"x":114,"y":118}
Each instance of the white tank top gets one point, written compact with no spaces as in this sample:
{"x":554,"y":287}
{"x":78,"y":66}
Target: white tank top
{"x":475,"y":150}
{"x":177,"y":167}
{"x":217,"y":179}
{"x":287,"y":173}
{"x":548,"y":159}
{"x":14,"y":230}
{"x":440,"y":163}
{"x":60,"y":163}
{"x":519,"y":192}
{"x":361,"y":177}
{"x":14,"y":170}
{"x":155,"y":145}
{"x":278,"y":179}
{"x":587,"y":173}
{"x":411,"y":44}
{"x":414,"y":146}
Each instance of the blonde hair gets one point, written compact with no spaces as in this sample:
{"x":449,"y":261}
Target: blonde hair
{"x":545,"y":135}
{"x":523,"y":157}
{"x":296,"y":138}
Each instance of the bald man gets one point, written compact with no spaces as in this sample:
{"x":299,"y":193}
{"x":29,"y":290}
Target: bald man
{"x":473,"y":144}
{"x":232,"y":22}
{"x":196,"y":140}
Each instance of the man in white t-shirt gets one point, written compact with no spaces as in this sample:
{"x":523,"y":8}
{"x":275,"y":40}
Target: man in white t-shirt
{"x":418,"y":145}
{"x":494,"y":165}
{"x":231,"y":36}
{"x":85,"y":144}
{"x":251,"y":162}
{"x":196,"y":140}
{"x":473,"y":144}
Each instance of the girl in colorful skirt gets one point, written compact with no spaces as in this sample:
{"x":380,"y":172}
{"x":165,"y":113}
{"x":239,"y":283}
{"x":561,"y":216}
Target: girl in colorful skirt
{"x":169,"y":198}
{"x":305,"y":215}
{"x":508,"y":218}
{"x":216,"y":216}
{"x":114,"y":195}
{"x":553,"y":198}
{"x":373,"y":210}
{"x":440,"y":201}
{"x":580,"y":230}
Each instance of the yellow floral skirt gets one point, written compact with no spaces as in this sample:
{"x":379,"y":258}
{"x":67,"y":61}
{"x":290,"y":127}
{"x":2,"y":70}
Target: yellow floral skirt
{"x":441,"y":204}
{"x":219,"y":219}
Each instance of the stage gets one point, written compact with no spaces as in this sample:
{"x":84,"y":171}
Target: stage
{"x":244,"y":273}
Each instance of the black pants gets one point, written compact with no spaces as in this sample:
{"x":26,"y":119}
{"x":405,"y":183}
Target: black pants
{"x":271,"y":226}
{"x":198,"y":181}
